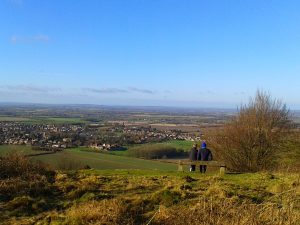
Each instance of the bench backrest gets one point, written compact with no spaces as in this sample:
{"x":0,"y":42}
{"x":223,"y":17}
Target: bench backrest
{"x":222,"y":165}
{"x":198,"y":163}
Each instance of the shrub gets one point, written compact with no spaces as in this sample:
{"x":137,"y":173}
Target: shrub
{"x":251,"y":141}
{"x":19,"y":176}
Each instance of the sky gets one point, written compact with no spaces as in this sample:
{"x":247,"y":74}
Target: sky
{"x":184,"y":53}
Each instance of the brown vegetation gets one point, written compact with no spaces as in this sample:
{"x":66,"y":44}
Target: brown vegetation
{"x":114,"y":211}
{"x":19,"y":176}
{"x":252,"y":140}
{"x":207,"y":211}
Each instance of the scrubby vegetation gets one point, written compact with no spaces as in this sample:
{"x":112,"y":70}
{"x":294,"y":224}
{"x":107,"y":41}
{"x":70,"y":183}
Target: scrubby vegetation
{"x":19,"y":176}
{"x":251,"y":141}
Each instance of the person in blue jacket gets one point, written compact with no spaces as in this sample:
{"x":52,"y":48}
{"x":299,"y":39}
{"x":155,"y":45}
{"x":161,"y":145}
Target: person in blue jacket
{"x":204,"y":154}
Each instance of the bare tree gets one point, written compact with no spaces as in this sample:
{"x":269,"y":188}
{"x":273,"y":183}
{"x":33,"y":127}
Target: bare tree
{"x":250,"y":141}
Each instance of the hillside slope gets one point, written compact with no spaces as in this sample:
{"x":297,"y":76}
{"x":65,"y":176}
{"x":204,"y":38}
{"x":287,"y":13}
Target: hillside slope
{"x":140,"y":196}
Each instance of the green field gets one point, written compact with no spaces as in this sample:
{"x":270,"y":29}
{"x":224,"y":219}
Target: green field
{"x":104,"y":161}
{"x":178,"y":144}
{"x":14,"y":119}
{"x":80,"y":158}
{"x":185,"y":145}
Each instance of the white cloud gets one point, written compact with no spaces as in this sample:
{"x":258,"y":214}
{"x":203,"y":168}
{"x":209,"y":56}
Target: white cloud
{"x":105,"y":90}
{"x":139,"y":90}
{"x":118,"y":90}
{"x":41,"y":37}
{"x":29,"y":39}
{"x":27,"y":89}
{"x":16,"y":2}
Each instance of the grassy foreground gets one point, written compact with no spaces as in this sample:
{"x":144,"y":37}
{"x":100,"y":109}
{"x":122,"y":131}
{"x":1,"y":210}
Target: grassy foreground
{"x":135,"y":191}
{"x":143,"y":196}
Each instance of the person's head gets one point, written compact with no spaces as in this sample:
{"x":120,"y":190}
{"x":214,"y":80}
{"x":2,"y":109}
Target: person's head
{"x":195,"y":145}
{"x":203,"y":144}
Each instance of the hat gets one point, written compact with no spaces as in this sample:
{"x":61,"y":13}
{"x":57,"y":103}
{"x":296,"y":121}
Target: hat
{"x":203,"y":145}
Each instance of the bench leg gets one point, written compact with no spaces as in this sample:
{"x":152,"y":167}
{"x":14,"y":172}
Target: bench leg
{"x":180,"y":168}
{"x":222,"y":170}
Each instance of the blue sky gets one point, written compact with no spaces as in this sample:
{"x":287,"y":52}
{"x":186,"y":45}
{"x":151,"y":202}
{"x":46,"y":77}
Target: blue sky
{"x":194,"y":53}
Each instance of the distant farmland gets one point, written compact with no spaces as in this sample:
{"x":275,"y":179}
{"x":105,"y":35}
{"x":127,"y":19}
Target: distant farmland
{"x":14,"y":119}
{"x":43,"y":120}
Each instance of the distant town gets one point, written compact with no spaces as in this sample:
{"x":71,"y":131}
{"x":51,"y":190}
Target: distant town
{"x":107,"y":137}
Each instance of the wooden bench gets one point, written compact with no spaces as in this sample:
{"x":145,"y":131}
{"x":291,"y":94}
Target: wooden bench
{"x":222,"y":165}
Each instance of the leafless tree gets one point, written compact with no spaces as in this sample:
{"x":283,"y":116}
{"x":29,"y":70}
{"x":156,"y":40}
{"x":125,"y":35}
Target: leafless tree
{"x":252,"y":139}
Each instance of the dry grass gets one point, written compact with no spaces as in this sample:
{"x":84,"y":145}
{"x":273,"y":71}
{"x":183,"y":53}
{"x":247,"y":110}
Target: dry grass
{"x":114,"y":211}
{"x":104,"y":212}
{"x":140,"y":197}
{"x":230,"y":211}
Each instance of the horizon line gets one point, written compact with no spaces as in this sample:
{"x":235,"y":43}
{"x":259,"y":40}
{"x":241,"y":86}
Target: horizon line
{"x":114,"y":105}
{"x":128,"y":106}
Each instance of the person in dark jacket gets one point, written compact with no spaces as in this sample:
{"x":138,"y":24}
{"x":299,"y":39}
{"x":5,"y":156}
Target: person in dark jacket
{"x":193,"y":157}
{"x":204,"y":154}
